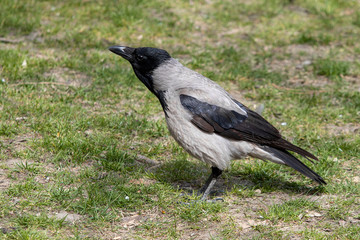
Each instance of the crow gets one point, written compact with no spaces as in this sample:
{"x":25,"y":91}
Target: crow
{"x":206,"y":120}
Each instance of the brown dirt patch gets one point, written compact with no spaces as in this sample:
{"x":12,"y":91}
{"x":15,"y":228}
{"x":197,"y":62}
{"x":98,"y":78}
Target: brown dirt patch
{"x":69,"y":77}
{"x":14,"y":162}
{"x":307,"y":80}
{"x":343,"y":129}
{"x":142,"y":181}
{"x":353,"y":81}
{"x":9,"y":164}
{"x":19,"y":142}
{"x":4,"y":181}
{"x":307,"y":50}
{"x":68,"y":217}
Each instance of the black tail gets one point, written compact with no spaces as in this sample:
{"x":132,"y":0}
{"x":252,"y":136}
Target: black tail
{"x":285,"y":145}
{"x":295,"y":163}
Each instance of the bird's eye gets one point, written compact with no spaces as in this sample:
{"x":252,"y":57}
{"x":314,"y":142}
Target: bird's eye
{"x":139,"y":57}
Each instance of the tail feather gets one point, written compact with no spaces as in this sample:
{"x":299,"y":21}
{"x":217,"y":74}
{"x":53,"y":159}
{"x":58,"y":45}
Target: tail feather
{"x":295,"y":163}
{"x":283,"y":144}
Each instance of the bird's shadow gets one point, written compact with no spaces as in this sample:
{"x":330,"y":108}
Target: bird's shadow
{"x":268,"y":183}
{"x":189,"y":177}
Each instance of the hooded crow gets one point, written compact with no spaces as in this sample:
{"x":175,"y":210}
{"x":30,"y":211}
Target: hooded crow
{"x":206,"y":120}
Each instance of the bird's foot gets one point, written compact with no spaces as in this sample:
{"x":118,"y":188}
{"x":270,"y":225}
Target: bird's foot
{"x":197,"y":197}
{"x":217,"y":199}
{"x":192,"y":201}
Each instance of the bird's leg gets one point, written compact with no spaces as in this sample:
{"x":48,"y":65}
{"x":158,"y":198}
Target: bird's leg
{"x":205,"y":190}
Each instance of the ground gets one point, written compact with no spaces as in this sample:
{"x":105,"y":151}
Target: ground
{"x":84,"y":149}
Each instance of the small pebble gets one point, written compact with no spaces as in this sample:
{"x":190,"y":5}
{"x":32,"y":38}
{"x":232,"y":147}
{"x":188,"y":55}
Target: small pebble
{"x":313,"y":214}
{"x":306,"y":63}
{"x":20,"y":118}
{"x":342,"y":223}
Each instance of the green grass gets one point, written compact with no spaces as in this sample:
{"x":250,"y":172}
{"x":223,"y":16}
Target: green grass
{"x":289,"y":211}
{"x":74,"y":119}
{"x":12,"y":24}
{"x":331,"y":68}
{"x":311,"y":39}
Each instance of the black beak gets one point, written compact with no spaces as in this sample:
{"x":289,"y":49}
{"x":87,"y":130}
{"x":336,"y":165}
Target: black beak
{"x":125,"y":52}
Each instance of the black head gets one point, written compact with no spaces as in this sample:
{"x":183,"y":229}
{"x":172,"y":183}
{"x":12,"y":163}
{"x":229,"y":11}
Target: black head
{"x":143,"y":60}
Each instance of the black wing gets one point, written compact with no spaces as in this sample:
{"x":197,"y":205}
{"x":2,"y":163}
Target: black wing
{"x":230,"y":124}
{"x":219,"y":118}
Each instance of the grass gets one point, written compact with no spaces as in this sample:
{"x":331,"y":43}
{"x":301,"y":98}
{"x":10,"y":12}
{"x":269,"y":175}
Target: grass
{"x":289,"y":211}
{"x":74,"y":119}
{"x":331,"y":68}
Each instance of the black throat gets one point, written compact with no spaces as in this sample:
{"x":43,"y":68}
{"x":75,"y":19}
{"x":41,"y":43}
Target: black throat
{"x":147,"y":80}
{"x":161,"y":96}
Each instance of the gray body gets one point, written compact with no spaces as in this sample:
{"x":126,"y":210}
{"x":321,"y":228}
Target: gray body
{"x":210,"y":148}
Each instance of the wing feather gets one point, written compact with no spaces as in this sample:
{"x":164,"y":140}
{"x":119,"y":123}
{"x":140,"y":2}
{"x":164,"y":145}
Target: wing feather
{"x":233,"y":125}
